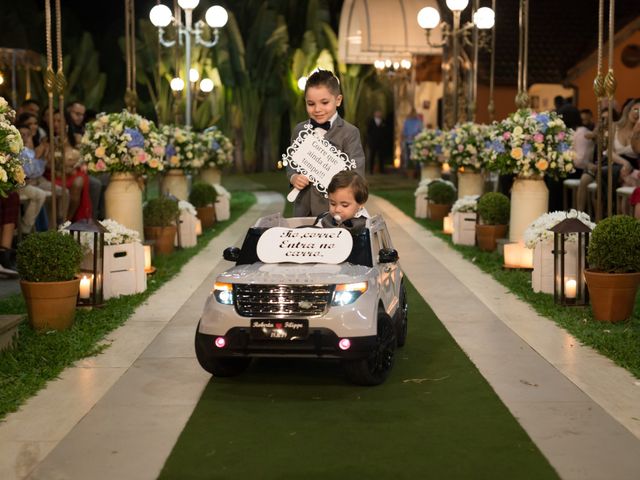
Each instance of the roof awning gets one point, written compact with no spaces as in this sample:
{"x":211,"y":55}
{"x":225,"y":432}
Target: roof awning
{"x":379,"y":29}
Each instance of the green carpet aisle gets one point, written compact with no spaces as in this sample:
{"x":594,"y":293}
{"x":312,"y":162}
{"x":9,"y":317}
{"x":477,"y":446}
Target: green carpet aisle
{"x":435,"y":417}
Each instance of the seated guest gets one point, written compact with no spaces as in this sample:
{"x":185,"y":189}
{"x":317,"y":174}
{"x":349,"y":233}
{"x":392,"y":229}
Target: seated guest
{"x":9,"y":208}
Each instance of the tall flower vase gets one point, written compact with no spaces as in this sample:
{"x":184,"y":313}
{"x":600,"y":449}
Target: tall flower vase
{"x":175,"y":183}
{"x":211,"y":175}
{"x":470,"y":183}
{"x":529,"y":200}
{"x":123,"y":201}
{"x":431,"y":171}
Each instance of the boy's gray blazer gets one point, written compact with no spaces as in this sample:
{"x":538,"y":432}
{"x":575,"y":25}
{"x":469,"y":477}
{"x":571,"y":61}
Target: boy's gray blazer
{"x":346,"y":137}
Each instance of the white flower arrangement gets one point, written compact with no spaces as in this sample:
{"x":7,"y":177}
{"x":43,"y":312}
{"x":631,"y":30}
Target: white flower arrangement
{"x":123,"y":142}
{"x":11,"y":172}
{"x":184,"y":148}
{"x":464,"y":146}
{"x":116,"y":234}
{"x":185,"y":206}
{"x":423,"y":186}
{"x":218,"y":148}
{"x":466,"y":204}
{"x":539,"y":231}
{"x":531,"y":144}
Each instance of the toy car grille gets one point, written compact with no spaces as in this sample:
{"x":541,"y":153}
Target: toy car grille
{"x":282,"y":300}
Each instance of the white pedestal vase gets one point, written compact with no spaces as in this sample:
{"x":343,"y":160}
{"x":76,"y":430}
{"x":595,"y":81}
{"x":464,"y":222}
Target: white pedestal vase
{"x":123,"y":270}
{"x":123,"y":201}
{"x":464,"y":228}
{"x":422,"y":207}
{"x":529,"y":200}
{"x":542,"y":279}
{"x":470,"y":183}
{"x":211,"y":175}
{"x":430,"y":171}
{"x":175,"y":182}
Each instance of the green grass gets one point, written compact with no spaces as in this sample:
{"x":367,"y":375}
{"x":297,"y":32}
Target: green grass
{"x":618,"y":341}
{"x":435,"y":417}
{"x":37,"y":358}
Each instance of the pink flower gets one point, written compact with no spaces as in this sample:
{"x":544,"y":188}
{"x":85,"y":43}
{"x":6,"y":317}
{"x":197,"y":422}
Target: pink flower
{"x":561,"y":136}
{"x":101,"y":166}
{"x":538,"y":138}
{"x":142,"y":157}
{"x":460,"y":148}
{"x":506,"y":135}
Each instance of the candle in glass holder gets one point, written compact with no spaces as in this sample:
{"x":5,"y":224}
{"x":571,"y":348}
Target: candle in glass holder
{"x":446,"y":168}
{"x":447,"y":225}
{"x":198,"y":227}
{"x":147,"y":258}
{"x":85,"y":287}
{"x":570,"y":287}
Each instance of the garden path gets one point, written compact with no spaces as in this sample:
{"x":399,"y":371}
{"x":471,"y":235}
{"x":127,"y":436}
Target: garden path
{"x":119,"y":414}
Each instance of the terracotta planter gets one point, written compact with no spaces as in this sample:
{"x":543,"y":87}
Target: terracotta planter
{"x":613,"y":295}
{"x":163,"y":236}
{"x":488,"y":234}
{"x":51,"y":305}
{"x":207,"y":216}
{"x":437,"y":211}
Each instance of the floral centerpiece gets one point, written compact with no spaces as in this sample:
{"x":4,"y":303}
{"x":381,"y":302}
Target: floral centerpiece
{"x":464,"y":144}
{"x":184,"y":148}
{"x":531,"y":144}
{"x":427,"y":147}
{"x":218,"y":148}
{"x":123,"y":143}
{"x":466,"y":204}
{"x":187,"y":207}
{"x":539,"y":231}
{"x":11,"y":172}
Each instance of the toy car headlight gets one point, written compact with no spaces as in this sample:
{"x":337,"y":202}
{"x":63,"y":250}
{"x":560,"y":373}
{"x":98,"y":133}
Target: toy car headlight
{"x":223,"y":292}
{"x":346,"y":293}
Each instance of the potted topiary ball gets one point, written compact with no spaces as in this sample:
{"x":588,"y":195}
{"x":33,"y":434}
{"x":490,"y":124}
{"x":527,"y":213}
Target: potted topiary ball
{"x":203,"y":196}
{"x":48,"y":263}
{"x":613,"y":275}
{"x":441,"y":195}
{"x":493,"y":210}
{"x":159,"y":216}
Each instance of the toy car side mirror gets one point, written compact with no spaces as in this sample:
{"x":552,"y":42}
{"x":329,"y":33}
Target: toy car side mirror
{"x":232,"y":254}
{"x":388,"y":255}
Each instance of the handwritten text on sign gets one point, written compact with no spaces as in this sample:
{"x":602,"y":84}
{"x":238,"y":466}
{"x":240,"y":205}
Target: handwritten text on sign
{"x":317,"y":159}
{"x":304,"y":245}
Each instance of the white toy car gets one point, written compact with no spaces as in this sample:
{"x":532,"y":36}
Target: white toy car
{"x":355,"y":310}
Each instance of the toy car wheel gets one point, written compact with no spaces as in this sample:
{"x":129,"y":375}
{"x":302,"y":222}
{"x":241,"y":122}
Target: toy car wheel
{"x":220,"y":366}
{"x":375,"y":369}
{"x":402,"y":316}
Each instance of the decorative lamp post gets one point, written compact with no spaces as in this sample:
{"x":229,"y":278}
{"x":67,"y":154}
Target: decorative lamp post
{"x":458,"y":37}
{"x":91,"y":288}
{"x":216,"y":17}
{"x":569,"y":287}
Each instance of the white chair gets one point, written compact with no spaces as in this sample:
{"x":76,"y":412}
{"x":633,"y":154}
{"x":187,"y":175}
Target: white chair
{"x":622,"y":200}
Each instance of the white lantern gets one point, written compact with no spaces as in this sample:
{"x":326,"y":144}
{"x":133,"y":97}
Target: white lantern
{"x":177,"y":84}
{"x":457,"y":5}
{"x":428,"y":18}
{"x":216,"y":17}
{"x":160,"y":16}
{"x":206,"y":85}
{"x":188,"y":4}
{"x":484,"y":18}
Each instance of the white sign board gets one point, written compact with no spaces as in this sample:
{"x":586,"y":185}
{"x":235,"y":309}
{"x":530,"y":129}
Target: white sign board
{"x":304,"y":245}
{"x":315,"y":158}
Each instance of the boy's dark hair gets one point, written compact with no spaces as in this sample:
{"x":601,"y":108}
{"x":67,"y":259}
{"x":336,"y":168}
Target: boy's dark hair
{"x":350,"y":179}
{"x":323,"y":78}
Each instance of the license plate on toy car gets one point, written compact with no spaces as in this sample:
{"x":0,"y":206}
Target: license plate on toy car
{"x":279,"y":329}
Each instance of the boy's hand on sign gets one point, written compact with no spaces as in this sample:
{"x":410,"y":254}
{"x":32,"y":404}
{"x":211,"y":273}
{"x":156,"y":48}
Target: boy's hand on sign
{"x":299,"y":181}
